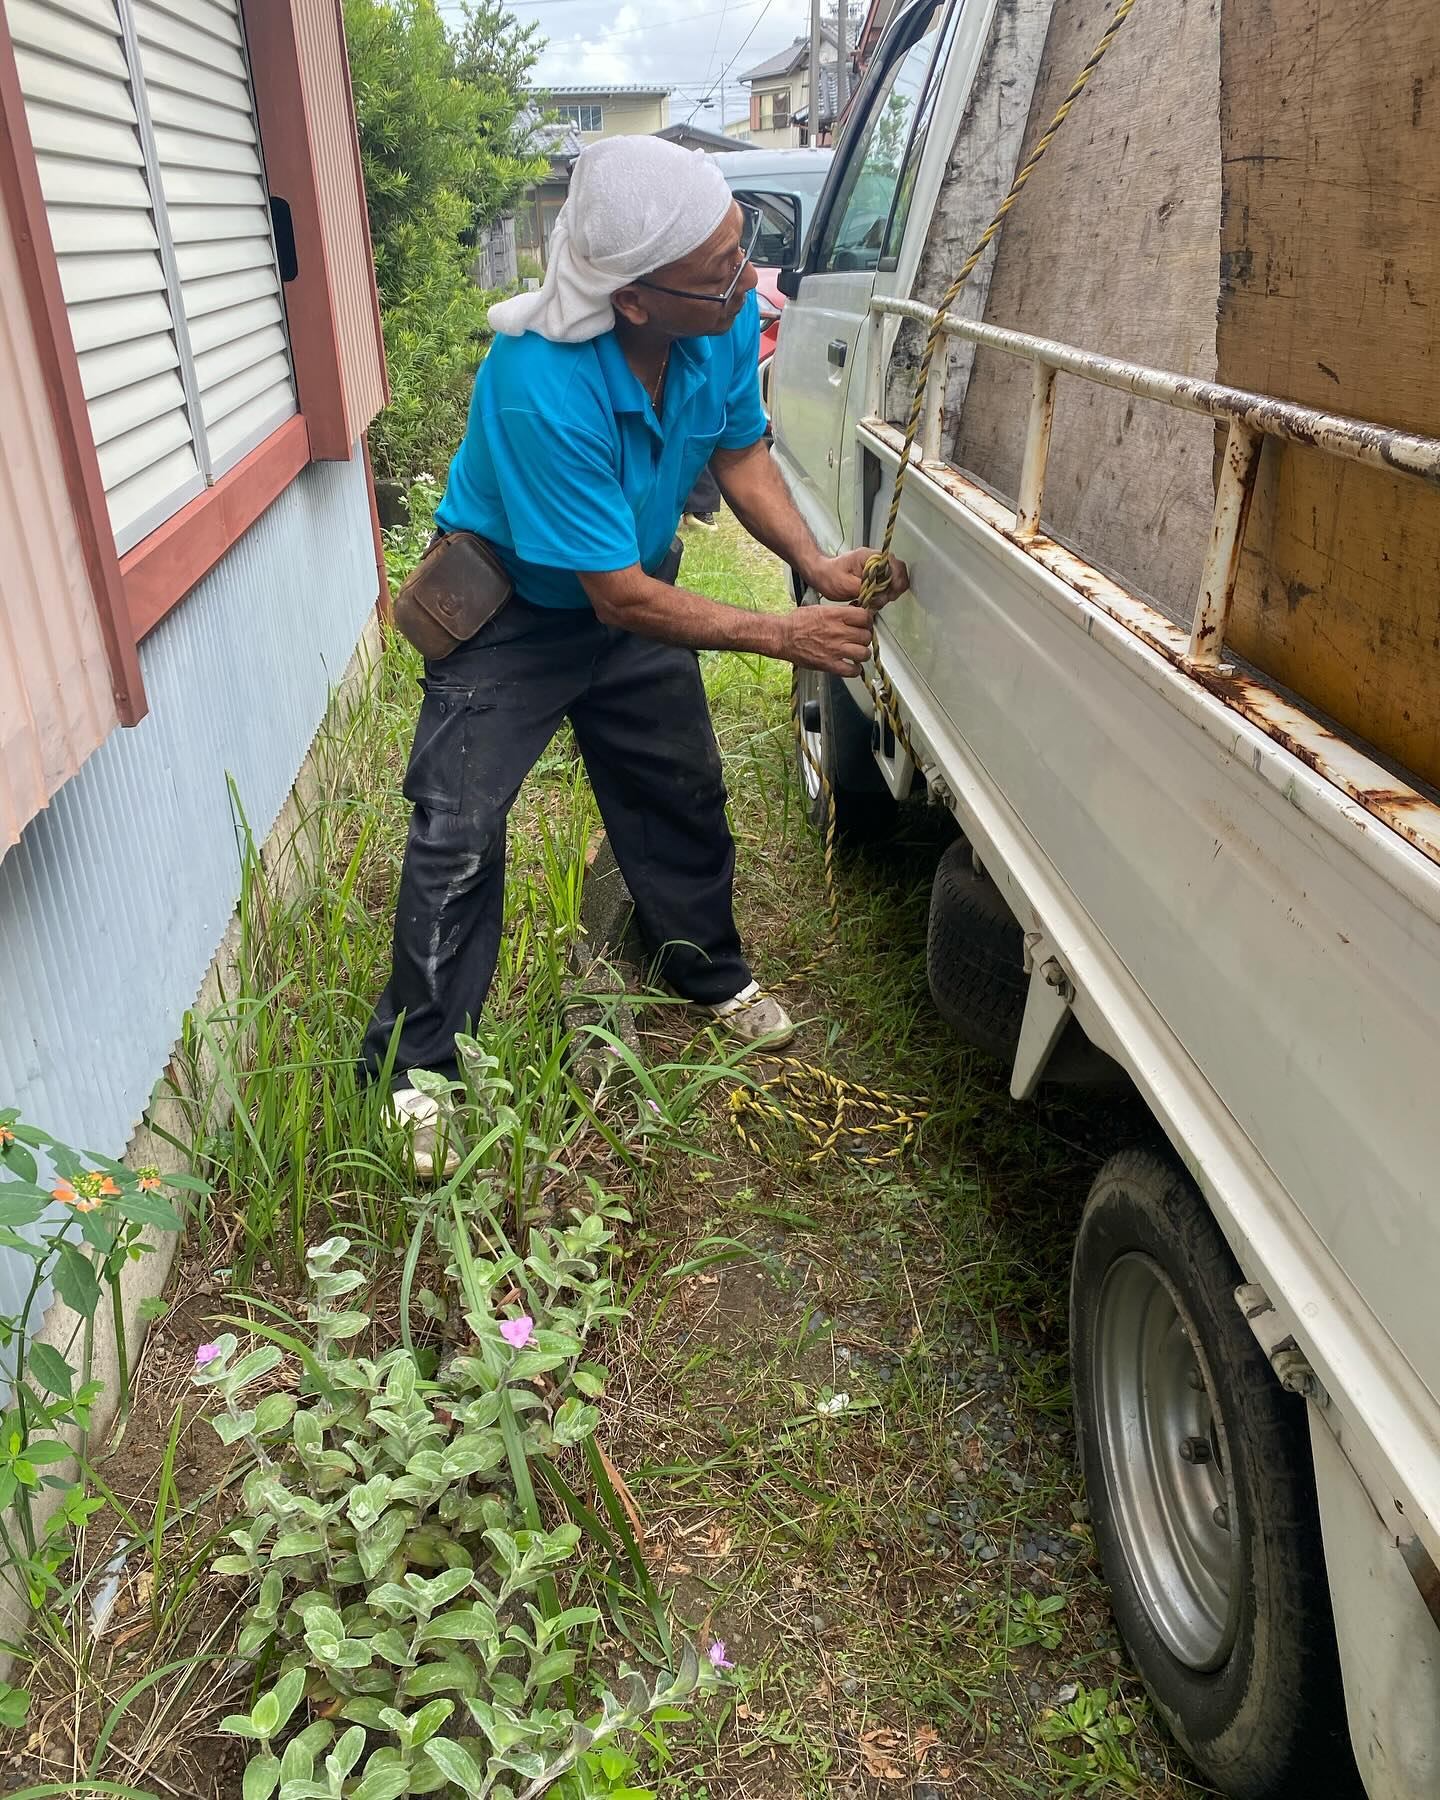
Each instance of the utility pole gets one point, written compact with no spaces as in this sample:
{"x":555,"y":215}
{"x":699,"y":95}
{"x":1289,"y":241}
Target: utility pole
{"x":814,"y":109}
{"x":842,"y":58}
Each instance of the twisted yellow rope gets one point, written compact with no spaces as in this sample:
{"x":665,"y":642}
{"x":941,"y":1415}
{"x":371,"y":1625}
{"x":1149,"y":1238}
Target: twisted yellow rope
{"x":877,"y":570}
{"x":830,"y":1114}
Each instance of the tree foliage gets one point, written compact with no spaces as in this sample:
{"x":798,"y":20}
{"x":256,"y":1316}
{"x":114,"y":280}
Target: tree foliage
{"x":441,"y":117}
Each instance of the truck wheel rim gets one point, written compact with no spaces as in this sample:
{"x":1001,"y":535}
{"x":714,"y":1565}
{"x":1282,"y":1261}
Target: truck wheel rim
{"x":1165,"y":1463}
{"x":812,"y":758}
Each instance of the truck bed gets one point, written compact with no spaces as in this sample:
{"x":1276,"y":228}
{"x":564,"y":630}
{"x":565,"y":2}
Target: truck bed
{"x":1148,"y":823}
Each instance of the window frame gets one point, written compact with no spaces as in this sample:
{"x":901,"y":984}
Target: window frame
{"x":579,"y":108}
{"x":902,"y":36}
{"x":135,"y":589}
{"x":775,"y":122}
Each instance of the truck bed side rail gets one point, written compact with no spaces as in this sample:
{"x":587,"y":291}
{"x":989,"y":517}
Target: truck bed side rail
{"x":1251,"y":417}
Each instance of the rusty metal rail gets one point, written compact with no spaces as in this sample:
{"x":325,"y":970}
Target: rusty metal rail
{"x":1251,"y":417}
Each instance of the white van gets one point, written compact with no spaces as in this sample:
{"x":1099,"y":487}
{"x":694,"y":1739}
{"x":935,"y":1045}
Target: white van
{"x":1172,"y":659}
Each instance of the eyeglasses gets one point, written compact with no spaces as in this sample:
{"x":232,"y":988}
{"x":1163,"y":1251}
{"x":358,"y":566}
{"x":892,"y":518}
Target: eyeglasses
{"x":749,"y":232}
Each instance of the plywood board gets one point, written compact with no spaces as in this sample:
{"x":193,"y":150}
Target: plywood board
{"x":1330,"y":117}
{"x":978,"y":173}
{"x":1114,"y":245}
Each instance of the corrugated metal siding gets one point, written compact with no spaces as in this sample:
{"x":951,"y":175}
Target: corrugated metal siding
{"x":56,"y":702}
{"x":342,"y":207}
{"x":116,"y":898}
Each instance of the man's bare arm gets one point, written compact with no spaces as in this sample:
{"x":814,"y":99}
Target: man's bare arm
{"x":759,"y":498}
{"x":835,"y":639}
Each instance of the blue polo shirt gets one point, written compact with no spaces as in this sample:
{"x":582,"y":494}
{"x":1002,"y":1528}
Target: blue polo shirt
{"x":565,"y":466}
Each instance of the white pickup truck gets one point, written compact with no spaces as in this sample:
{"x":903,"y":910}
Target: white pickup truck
{"x":1172,"y":659}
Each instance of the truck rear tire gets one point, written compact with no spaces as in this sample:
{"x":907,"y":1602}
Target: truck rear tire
{"x":834,"y":739}
{"x":1202,"y":1493}
{"x":975,"y":956}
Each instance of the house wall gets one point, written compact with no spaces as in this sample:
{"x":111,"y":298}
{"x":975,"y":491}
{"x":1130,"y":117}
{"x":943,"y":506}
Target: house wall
{"x":798,"y":86}
{"x":312,"y":160}
{"x":115,"y":898}
{"x":339,"y":186}
{"x":56,"y":700}
{"x":623,"y":115}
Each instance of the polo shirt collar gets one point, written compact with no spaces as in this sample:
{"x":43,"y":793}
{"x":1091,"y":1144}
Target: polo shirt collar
{"x":689,"y":363}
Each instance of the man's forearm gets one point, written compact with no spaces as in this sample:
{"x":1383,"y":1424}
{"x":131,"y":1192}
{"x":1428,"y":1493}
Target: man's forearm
{"x":637,"y":602}
{"x":757,"y":495}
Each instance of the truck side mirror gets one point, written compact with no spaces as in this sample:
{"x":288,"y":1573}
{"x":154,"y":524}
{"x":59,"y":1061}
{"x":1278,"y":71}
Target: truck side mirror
{"x":788,"y":282}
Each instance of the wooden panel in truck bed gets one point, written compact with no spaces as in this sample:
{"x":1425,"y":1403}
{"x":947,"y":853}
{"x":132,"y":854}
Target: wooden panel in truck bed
{"x":1330,"y":295}
{"x":1114,"y":244}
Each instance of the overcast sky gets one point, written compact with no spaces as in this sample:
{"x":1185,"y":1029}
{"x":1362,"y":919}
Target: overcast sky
{"x":684,"y":44}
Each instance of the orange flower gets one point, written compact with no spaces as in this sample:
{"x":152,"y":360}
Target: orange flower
{"x":85,"y":1201}
{"x":150,"y":1184}
{"x":7,"y":1137}
{"x":107,"y":1186}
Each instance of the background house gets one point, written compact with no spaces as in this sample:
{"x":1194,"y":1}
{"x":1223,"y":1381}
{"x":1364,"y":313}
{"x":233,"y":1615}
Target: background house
{"x":539,"y":206}
{"x":780,"y":89}
{"x":867,"y":40}
{"x":575,"y":117}
{"x":604,"y":112}
{"x":190,"y":354}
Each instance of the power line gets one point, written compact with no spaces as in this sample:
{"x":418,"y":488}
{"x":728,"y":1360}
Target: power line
{"x":709,"y":63}
{"x":743,"y":42}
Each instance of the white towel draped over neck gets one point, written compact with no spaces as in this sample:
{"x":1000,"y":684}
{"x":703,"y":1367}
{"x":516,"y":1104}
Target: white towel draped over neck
{"x":635,"y":204}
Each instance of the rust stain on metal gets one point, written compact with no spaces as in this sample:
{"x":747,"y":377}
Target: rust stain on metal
{"x":1409,"y":814}
{"x":1424,"y":1574}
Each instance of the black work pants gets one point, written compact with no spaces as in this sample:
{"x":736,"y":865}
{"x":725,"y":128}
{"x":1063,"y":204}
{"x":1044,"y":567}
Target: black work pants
{"x":704,"y":501}
{"x":643,"y":727}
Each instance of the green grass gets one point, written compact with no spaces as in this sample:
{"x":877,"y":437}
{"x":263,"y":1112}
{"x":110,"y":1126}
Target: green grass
{"x":838,"y":1549}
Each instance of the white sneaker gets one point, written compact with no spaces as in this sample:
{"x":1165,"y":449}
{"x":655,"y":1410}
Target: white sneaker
{"x":755,"y":1018}
{"x":418,"y":1117}
{"x":702,"y":521}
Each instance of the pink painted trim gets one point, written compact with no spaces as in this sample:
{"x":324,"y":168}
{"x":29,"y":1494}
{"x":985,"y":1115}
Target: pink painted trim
{"x":40,"y":273}
{"x":365,"y":214}
{"x":290,"y":173}
{"x":162,"y":568}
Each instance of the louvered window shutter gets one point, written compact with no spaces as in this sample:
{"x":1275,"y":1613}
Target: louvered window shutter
{"x":85,"y":129}
{"x":192,"y":56}
{"x":143,"y":124}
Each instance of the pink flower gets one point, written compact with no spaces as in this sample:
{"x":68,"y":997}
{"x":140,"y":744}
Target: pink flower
{"x":517,"y":1333}
{"x":718,"y":1658}
{"x":205,"y":1354}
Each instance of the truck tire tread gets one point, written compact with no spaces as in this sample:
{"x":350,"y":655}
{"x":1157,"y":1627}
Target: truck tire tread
{"x":975,"y":956}
{"x":1270,"y":1722}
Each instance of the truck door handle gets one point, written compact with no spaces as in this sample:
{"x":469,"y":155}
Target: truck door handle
{"x":837,"y":352}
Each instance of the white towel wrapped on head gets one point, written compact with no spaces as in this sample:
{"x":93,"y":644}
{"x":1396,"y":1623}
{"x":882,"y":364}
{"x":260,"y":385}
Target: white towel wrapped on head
{"x":635,"y":204}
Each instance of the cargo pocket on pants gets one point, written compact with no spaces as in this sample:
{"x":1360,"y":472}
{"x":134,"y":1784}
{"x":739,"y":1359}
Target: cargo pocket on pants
{"x":437,"y":772}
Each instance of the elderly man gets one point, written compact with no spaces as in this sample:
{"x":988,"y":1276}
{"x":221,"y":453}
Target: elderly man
{"x":604,"y":396}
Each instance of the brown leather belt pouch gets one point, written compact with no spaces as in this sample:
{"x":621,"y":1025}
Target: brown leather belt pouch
{"x":455,"y":589}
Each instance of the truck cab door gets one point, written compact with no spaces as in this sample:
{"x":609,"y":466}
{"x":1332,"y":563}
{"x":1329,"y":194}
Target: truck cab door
{"x":856,"y":235}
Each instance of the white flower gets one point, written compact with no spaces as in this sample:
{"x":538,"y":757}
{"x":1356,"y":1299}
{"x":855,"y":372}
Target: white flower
{"x":835,"y":1404}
